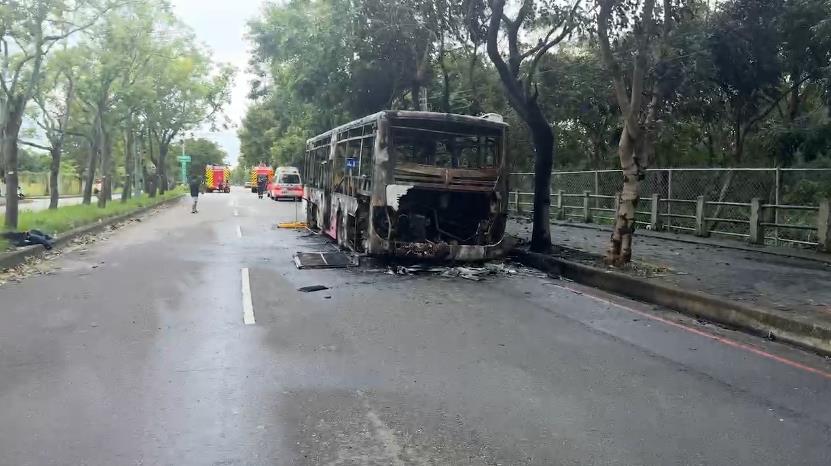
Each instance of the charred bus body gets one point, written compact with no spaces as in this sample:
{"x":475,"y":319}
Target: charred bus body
{"x":411,"y":184}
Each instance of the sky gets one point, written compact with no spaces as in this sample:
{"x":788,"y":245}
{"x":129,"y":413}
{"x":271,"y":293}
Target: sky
{"x":220,"y":25}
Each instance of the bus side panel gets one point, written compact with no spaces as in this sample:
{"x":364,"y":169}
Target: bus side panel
{"x":382,"y":175}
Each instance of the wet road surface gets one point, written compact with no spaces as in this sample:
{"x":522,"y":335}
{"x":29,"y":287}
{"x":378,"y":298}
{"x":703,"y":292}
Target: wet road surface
{"x":136,"y":351}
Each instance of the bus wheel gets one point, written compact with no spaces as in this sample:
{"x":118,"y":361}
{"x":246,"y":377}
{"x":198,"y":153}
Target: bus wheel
{"x":361,"y":230}
{"x":311,"y":216}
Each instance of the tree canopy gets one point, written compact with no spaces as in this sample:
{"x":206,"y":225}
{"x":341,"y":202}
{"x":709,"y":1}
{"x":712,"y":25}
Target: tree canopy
{"x":749,"y":80}
{"x":105,"y":87}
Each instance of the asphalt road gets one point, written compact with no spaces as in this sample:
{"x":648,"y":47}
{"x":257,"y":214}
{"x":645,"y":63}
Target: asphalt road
{"x":135,"y":351}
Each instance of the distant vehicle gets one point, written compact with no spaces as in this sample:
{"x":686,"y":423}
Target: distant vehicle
{"x":411,"y":184}
{"x":217,"y":178}
{"x":20,"y":193}
{"x":286,"y":184}
{"x":256,"y":173}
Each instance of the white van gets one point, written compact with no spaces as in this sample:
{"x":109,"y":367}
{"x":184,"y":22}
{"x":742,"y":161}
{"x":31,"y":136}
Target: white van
{"x":286,"y":184}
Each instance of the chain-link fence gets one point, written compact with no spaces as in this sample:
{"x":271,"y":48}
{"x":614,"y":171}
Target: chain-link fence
{"x":704,"y":201}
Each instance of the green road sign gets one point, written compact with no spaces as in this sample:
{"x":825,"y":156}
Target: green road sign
{"x":183,"y":158}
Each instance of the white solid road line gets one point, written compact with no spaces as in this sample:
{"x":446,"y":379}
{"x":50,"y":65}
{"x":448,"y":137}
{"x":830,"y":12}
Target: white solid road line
{"x":247,"y":305}
{"x":239,"y":232}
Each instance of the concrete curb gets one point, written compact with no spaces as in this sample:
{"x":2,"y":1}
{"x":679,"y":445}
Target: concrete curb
{"x":15,"y":258}
{"x":793,"y":329}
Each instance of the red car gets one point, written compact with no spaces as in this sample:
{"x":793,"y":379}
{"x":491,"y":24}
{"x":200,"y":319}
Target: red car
{"x":286,"y":184}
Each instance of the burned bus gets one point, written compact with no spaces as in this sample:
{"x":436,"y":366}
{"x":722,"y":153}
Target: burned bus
{"x":411,"y":184}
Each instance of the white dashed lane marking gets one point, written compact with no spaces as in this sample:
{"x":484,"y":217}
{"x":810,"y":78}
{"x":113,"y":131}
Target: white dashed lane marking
{"x":247,"y":304}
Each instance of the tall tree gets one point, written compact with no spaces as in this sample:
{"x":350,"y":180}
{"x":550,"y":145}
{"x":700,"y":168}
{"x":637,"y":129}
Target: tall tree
{"x":744,"y":44}
{"x":517,"y":72}
{"x":189,"y":90}
{"x":29,"y":29}
{"x":636,"y":146}
{"x":55,"y":97}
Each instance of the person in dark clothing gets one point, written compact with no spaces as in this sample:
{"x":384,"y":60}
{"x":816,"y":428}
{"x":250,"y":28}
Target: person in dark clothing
{"x":262,"y":180}
{"x":195,"y":184}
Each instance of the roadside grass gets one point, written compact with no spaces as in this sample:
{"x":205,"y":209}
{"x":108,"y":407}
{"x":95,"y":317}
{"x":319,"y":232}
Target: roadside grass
{"x":63,"y":219}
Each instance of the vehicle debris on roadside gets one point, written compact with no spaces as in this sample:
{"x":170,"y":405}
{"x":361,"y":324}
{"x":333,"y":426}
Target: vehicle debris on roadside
{"x":312,"y":288}
{"x":466,"y":272}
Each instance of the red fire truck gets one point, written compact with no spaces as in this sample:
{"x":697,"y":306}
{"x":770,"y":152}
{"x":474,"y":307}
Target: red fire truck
{"x":217,"y":178}
{"x":261,"y":170}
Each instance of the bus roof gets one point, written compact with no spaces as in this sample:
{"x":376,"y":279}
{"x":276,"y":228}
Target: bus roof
{"x":485,"y":121}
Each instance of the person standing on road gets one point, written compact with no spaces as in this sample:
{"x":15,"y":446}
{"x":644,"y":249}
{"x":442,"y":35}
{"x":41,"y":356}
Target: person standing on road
{"x":194,"y":192}
{"x":262,"y":180}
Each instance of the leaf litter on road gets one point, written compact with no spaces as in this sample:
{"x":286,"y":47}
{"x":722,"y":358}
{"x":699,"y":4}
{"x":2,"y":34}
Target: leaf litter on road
{"x":45,"y":264}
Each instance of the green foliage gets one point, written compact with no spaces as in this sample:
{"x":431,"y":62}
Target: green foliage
{"x":728,"y":73}
{"x":204,"y":152}
{"x":32,"y":161}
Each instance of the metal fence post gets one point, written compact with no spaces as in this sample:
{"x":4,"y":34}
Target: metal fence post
{"x":655,"y":213}
{"x":616,"y":207}
{"x":561,"y":211}
{"x":669,"y":196}
{"x":700,"y":216}
{"x":824,"y":225}
{"x":757,"y":231}
{"x":587,"y":213}
{"x":777,"y":183}
{"x":596,"y":189}
{"x":516,"y":201}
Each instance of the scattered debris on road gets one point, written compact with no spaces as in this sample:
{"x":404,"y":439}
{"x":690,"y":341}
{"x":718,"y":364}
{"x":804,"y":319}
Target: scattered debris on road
{"x":466,"y":272}
{"x":292,"y":225}
{"x":312,"y":288}
{"x":321,"y":260}
{"x":46,"y":264}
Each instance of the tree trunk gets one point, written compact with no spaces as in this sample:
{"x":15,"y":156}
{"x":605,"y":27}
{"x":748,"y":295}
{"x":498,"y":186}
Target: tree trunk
{"x":106,"y":168}
{"x":793,"y":98}
{"x":54,"y":172}
{"x":711,"y":152}
{"x":620,"y":245}
{"x":738,"y":146}
{"x":415,"y":92}
{"x":149,"y":178}
{"x":475,"y":107}
{"x":92,"y":164}
{"x":161,"y":168}
{"x":445,"y":97}
{"x":129,"y":163}
{"x":543,"y":139}
{"x":9,"y":147}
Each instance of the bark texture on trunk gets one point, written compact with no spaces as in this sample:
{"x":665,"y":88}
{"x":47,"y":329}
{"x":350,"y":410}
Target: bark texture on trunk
{"x":620,"y":245}
{"x":106,"y":168}
{"x":92,"y":164}
{"x":9,"y":148}
{"x":161,"y":168}
{"x":54,"y":173}
{"x":543,"y":139}
{"x":129,"y":162}
{"x":636,"y":147}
